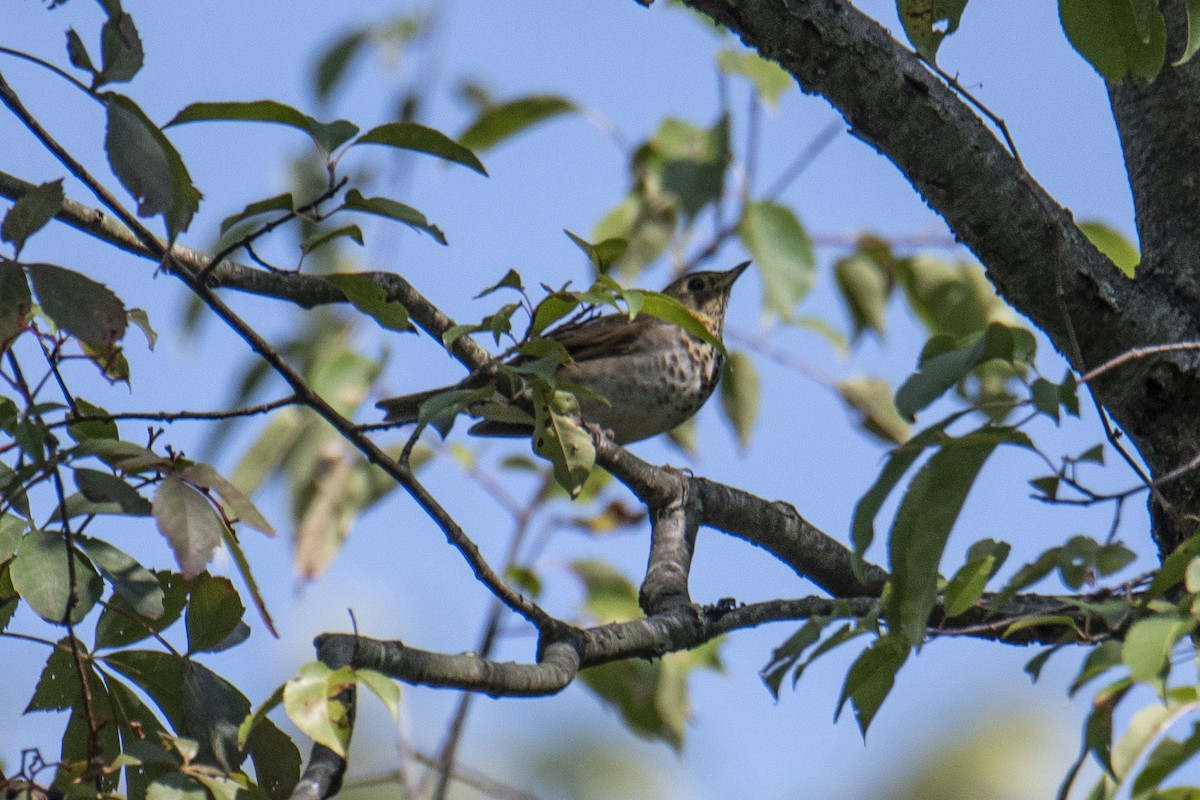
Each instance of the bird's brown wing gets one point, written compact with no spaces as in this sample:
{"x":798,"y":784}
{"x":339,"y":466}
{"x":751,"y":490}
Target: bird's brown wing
{"x":604,"y":337}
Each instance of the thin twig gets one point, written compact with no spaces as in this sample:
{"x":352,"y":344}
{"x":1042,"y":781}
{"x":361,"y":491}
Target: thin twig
{"x":178,"y":416}
{"x":1136,"y":353}
{"x":953,"y":83}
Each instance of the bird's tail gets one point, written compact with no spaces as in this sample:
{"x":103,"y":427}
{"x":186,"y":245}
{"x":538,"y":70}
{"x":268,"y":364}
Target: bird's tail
{"x":405,"y":408}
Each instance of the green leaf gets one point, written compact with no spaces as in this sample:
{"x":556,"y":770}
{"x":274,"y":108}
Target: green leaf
{"x":259,"y":716}
{"x":1166,"y":757}
{"x":15,"y":302}
{"x":862,"y":526}
{"x":411,"y":136}
{"x":77,"y":53}
{"x":148,"y":165}
{"x":551,"y":309}
{"x":1044,"y":395}
{"x":58,"y":687}
{"x":213,"y":710}
{"x":927,"y":22}
{"x":1174,"y":567}
{"x":667,"y":308}
{"x":31,"y":212}
{"x":788,"y":655}
{"x":499,"y":122}
{"x":686,"y":163}
{"x":382,"y":687}
{"x":79,"y":305}
{"x":104,"y":487}
{"x":12,"y":529}
{"x":130,"y":580}
{"x":160,"y":675}
{"x":967,"y":585}
{"x":561,"y":441}
{"x":372,"y":299}
{"x":41,"y":575}
{"x":943,"y":370}
{"x":335,"y":60}
{"x":280,"y":202}
{"x":923,"y":522}
{"x":1148,"y":645}
{"x":190,"y":524}
{"x":602,"y":255}
{"x":770,"y":80}
{"x":871,"y":678}
{"x":1120,"y":38}
{"x":236,"y":504}
{"x":120,"y":50}
{"x":309,"y":702}
{"x":1108,"y":240}
{"x":741,"y":393}
{"x":323,"y":237}
{"x":177,"y":786}
{"x":782,"y":252}
{"x":92,"y":429}
{"x":511,"y":280}
{"x":276,"y":760}
{"x":1033,"y":668}
{"x":328,"y":136}
{"x":214,"y":615}
{"x":386,"y":207}
{"x":871,"y":398}
{"x":1193,"y":37}
{"x":120,"y":624}
{"x":125,"y":456}
{"x":865,"y":287}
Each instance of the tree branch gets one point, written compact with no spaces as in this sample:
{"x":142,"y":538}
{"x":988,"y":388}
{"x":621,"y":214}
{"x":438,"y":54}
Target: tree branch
{"x":1032,"y":250}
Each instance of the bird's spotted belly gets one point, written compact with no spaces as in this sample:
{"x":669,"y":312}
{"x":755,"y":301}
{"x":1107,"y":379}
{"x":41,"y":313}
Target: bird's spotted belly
{"x":651,"y":394}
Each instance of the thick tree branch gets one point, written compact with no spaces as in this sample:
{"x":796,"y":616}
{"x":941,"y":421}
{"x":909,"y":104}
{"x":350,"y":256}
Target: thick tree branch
{"x":1030,"y":246}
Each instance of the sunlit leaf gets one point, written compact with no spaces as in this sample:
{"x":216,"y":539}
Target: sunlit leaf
{"x":238,"y":505}
{"x":782,"y":252}
{"x":927,"y":22}
{"x":308,"y":700}
{"x":871,"y":398}
{"x":741,"y":392}
{"x":560,"y":440}
{"x":1120,"y":38}
{"x":770,"y":80}
{"x":1108,"y":240}
{"x":190,"y":524}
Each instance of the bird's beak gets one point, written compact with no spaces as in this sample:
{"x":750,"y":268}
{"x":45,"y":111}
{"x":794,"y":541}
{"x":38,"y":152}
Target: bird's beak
{"x":737,"y":271}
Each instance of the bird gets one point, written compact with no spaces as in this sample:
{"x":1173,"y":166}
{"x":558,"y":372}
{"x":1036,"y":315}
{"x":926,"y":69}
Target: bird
{"x":652,"y":374}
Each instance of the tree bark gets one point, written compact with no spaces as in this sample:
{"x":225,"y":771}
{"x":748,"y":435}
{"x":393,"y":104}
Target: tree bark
{"x":1033,"y":252}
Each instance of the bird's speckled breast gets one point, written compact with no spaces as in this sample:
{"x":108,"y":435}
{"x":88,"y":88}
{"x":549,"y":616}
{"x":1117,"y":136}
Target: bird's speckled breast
{"x":653,"y":392}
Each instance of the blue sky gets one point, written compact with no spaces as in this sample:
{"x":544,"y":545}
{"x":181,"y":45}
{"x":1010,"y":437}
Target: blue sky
{"x":633,"y":67}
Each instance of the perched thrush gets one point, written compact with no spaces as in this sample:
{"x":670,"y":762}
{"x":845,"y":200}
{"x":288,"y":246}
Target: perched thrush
{"x":654,"y":374}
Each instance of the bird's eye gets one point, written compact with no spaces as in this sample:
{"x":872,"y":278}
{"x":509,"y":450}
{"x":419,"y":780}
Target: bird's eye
{"x":695,"y":284}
